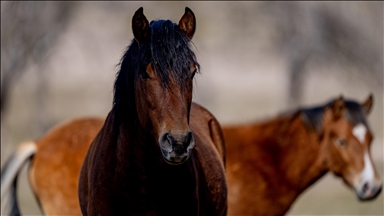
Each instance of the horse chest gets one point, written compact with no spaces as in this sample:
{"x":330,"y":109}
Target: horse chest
{"x":175,"y":190}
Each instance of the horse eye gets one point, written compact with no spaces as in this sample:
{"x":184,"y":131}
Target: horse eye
{"x":144,"y":75}
{"x":341,"y":142}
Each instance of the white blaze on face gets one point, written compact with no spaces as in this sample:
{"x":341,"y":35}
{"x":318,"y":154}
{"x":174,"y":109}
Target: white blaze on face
{"x":359,"y":132}
{"x":367,"y":175}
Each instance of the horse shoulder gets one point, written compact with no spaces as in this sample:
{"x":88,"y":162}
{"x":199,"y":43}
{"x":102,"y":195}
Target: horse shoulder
{"x":210,"y":149}
{"x":202,"y":121}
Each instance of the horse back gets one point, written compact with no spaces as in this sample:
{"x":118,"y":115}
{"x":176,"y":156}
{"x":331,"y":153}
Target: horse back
{"x":59,"y":156}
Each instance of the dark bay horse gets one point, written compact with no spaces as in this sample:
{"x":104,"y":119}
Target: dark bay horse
{"x":151,"y":157}
{"x":157,"y":153}
{"x":270,"y":164}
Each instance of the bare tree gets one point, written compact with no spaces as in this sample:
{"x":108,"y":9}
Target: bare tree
{"x":28,"y":31}
{"x":317,"y":31}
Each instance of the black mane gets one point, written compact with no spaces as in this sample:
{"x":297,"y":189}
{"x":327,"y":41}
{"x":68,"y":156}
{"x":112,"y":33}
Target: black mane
{"x":313,"y":117}
{"x":168,"y":49}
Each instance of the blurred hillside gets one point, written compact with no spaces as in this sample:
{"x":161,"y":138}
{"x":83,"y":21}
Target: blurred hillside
{"x":58,"y":61}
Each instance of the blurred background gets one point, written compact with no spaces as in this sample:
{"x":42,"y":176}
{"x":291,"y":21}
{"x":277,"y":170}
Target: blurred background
{"x":258,"y":59}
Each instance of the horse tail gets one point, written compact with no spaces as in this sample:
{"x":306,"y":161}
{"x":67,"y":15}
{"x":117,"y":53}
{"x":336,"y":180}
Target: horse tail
{"x":10,"y":172}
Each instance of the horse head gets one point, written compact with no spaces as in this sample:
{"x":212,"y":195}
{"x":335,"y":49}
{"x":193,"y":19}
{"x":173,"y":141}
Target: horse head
{"x":347,"y":139}
{"x":163,"y":82}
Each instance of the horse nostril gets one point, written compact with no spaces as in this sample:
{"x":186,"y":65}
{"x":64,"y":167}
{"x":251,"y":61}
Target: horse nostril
{"x":365,"y":187}
{"x":165,"y":142}
{"x":188,"y":139}
{"x":169,"y":138}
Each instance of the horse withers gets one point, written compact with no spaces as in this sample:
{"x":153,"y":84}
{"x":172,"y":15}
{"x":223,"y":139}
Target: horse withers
{"x":157,"y":153}
{"x":269,"y":164}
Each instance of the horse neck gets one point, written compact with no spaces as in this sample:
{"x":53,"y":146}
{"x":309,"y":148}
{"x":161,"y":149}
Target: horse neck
{"x":281,"y":149}
{"x":136,"y":145}
{"x":303,"y":161}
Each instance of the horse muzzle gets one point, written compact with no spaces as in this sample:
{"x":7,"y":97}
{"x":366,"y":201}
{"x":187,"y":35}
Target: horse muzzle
{"x":368,"y":190}
{"x":176,"y":147}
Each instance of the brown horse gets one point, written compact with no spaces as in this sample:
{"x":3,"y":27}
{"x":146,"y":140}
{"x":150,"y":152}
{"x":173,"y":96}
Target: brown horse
{"x":269,"y":164}
{"x":157,"y":153}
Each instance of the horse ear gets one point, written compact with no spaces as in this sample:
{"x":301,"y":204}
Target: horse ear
{"x":367,"y":105}
{"x":338,"y":107}
{"x":140,"y":26}
{"x":187,"y":23}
